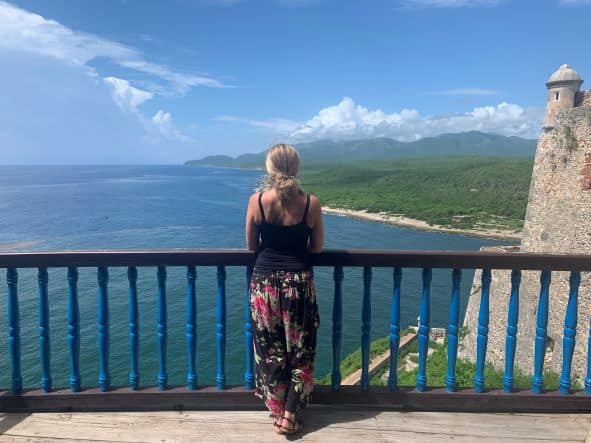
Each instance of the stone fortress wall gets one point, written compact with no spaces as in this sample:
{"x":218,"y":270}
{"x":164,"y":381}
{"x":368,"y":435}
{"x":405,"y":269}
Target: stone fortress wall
{"x":557,"y":221}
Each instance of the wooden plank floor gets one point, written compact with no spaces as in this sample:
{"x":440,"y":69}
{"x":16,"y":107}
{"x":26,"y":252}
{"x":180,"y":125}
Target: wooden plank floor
{"x":322,"y":424}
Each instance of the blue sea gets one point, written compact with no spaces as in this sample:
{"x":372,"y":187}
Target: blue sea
{"x":147,"y":207}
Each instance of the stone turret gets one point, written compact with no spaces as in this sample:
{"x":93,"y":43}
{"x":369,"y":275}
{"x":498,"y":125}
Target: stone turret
{"x":556,"y":221}
{"x":563,"y":87}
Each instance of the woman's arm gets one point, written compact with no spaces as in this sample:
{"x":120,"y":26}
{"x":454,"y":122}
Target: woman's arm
{"x":317,"y":235}
{"x":252,"y":229}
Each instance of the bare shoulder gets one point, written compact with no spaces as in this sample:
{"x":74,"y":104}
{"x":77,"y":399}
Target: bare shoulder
{"x":254,"y":198}
{"x":314,"y":203}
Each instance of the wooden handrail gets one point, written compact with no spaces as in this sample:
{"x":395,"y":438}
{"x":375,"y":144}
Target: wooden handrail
{"x":330,"y":257}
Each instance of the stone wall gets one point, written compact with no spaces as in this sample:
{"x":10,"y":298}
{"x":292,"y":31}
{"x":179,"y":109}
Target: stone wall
{"x":557,"y":221}
{"x":583,"y":98}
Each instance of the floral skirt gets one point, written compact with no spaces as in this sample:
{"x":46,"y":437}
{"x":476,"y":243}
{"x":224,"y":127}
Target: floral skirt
{"x":285,"y":319}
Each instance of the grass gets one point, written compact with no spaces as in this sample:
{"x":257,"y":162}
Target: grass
{"x":437,"y":369}
{"x":461,"y":192}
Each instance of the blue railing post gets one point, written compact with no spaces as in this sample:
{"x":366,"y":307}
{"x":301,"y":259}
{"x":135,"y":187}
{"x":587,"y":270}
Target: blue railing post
{"x":221,"y":329}
{"x":337,"y":327}
{"x":14,"y":337}
{"x":248,"y":343}
{"x":191,"y":327}
{"x":395,"y":330}
{"x":134,"y":338}
{"x":104,"y":378}
{"x":512,"y":321}
{"x":365,"y":328}
{"x":482,"y":338}
{"x":161,"y":329}
{"x":452,"y":334}
{"x":570,"y":331}
{"x":541,"y":332}
{"x":424,"y":320}
{"x":44,"y":341}
{"x":74,"y":329}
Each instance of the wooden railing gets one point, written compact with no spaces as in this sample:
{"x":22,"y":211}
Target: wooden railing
{"x":194,"y":396}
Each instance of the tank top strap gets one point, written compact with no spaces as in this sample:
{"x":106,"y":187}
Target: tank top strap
{"x":305,"y":218}
{"x":261,"y":206}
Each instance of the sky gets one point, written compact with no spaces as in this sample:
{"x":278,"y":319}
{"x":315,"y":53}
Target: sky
{"x":162,"y":82}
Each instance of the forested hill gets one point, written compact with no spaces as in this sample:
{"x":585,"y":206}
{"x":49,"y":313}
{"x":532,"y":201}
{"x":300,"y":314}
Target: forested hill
{"x":327,"y":151}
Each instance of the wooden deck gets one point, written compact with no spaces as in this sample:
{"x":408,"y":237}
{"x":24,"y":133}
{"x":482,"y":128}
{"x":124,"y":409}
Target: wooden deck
{"x":322,"y":424}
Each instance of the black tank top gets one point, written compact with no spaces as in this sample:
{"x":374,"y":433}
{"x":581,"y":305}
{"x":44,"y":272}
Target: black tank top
{"x":283,"y":248}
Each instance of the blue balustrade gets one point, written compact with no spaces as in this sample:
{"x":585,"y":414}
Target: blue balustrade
{"x":424,"y":321}
{"x":482,"y":338}
{"x":104,"y":378}
{"x":220,"y":377}
{"x":74,"y":329}
{"x":44,"y":341}
{"x":570,"y":331}
{"x":541,"y":332}
{"x":134,"y":337}
{"x":365,"y":328}
{"x":191,"y":328}
{"x":512,"y":321}
{"x":394,"y":330}
{"x":14,"y":334}
{"x":410,"y":260}
{"x":337,"y":327}
{"x":452,"y":332}
{"x":161,"y":329}
{"x":248,"y":343}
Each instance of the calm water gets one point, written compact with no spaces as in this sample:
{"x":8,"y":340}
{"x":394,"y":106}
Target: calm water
{"x":104,"y":207}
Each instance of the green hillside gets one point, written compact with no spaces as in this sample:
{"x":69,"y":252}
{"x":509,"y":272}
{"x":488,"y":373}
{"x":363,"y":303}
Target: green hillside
{"x":459,"y":192}
{"x":467,"y":143}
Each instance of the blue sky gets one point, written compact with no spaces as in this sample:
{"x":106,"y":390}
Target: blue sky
{"x":137,"y":81}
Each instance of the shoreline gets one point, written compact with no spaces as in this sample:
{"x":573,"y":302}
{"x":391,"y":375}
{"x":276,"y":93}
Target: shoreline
{"x":412,"y":223}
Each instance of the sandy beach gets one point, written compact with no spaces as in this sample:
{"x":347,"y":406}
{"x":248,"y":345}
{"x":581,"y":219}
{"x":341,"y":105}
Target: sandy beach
{"x":422,"y":225}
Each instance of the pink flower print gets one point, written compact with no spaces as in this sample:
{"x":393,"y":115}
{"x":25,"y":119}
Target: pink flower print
{"x":286,"y":317}
{"x":259,"y":304}
{"x":280,"y":389}
{"x":294,"y":336}
{"x":306,"y":375}
{"x":275,"y":406}
{"x":271,"y":291}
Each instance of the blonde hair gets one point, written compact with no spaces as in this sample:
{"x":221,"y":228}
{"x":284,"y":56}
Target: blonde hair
{"x":283,"y":163}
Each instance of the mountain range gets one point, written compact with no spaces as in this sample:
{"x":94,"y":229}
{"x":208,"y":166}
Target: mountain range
{"x":327,"y":151}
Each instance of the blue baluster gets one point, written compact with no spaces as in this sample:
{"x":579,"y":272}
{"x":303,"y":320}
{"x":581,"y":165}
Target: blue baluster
{"x":134,"y":337}
{"x":248,"y":344}
{"x":512,"y":320}
{"x":14,"y":337}
{"x":482,"y":338}
{"x":74,"y":329}
{"x":44,"y":344}
{"x":337,"y":327}
{"x":395,"y":330}
{"x":541,"y":332}
{"x":365,"y":328}
{"x":161,"y":329}
{"x":221,"y":329}
{"x":104,"y":378}
{"x":424,"y":320}
{"x":191,"y":327}
{"x":570,"y":331}
{"x":452,"y":333}
{"x":588,"y":377}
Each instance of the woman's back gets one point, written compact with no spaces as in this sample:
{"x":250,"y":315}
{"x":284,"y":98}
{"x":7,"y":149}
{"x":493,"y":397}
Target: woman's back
{"x":284,"y":238}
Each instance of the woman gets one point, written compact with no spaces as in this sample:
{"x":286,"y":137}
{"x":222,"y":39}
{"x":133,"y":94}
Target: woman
{"x":284,"y":225}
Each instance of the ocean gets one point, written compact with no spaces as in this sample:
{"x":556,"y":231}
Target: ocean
{"x":151,"y":207}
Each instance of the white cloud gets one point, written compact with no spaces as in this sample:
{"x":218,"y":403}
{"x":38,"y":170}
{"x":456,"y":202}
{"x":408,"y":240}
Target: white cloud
{"x":448,"y":3}
{"x":126,"y":96}
{"x":23,"y":31}
{"x":348,"y":120}
{"x":162,"y":122}
{"x":466,"y":91}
